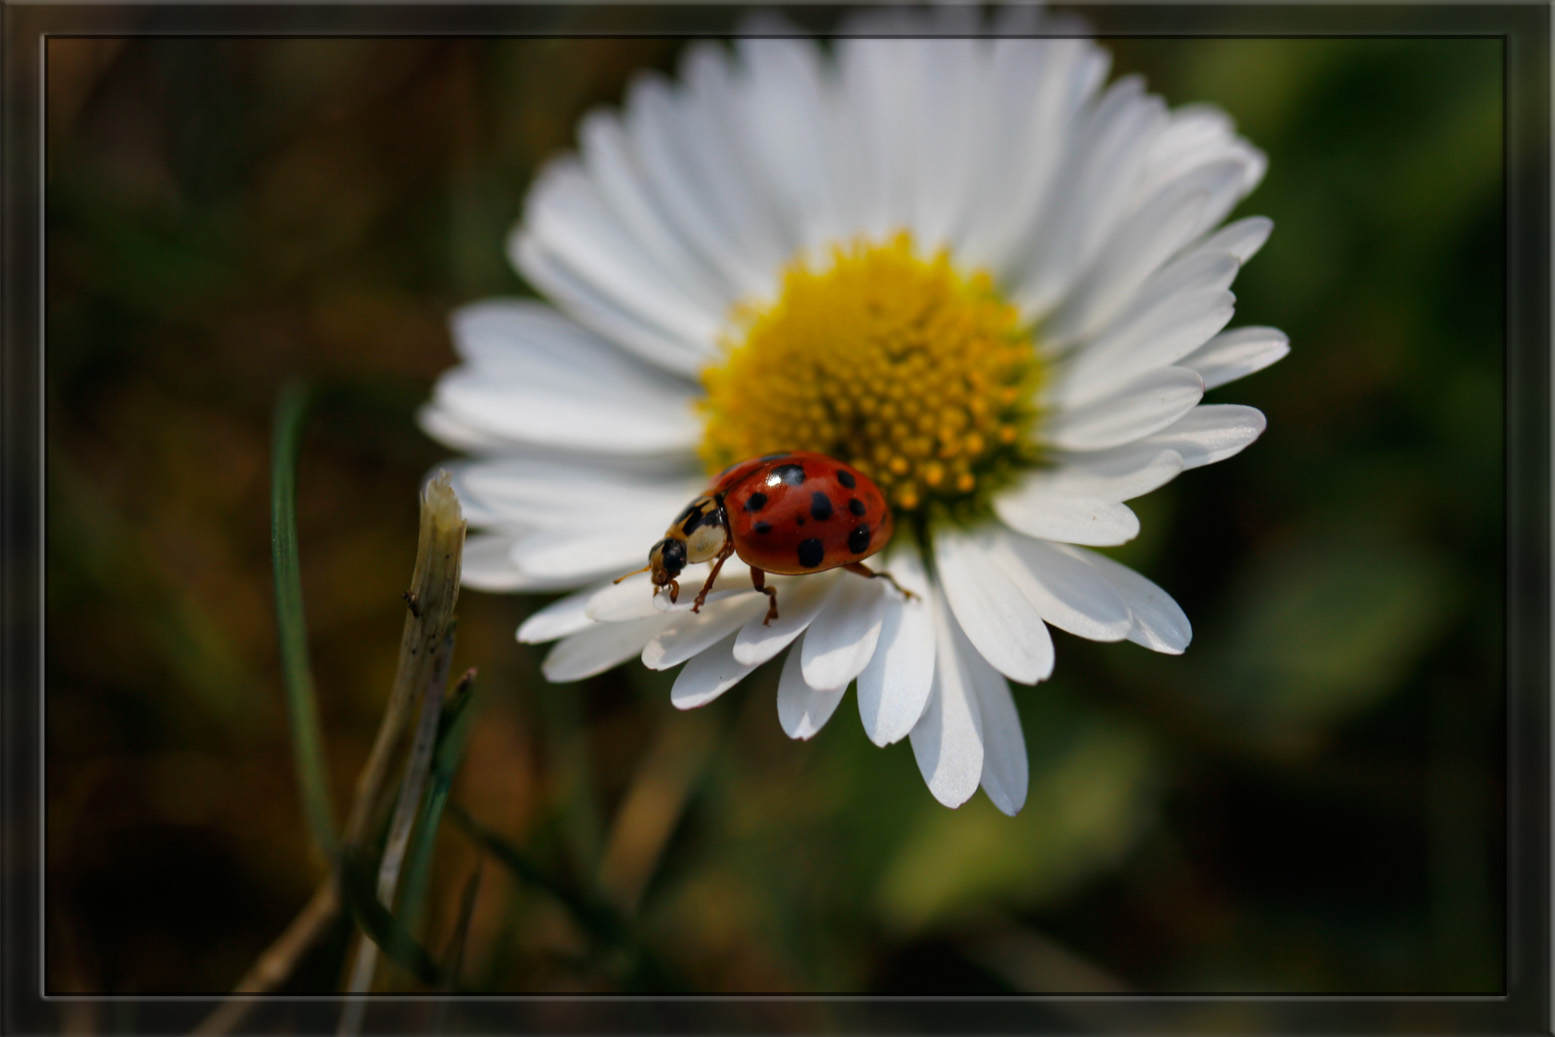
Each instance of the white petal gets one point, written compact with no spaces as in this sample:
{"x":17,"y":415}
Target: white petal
{"x":708,"y":676}
{"x":1200,"y":136}
{"x":742,"y":236}
{"x":619,"y":175}
{"x":1100,"y":474}
{"x":949,"y":90}
{"x":872,"y":72}
{"x":532,"y":347}
{"x":947,"y":741}
{"x":1005,"y":769}
{"x":997,"y":618}
{"x":1216,"y":145}
{"x":1234,"y":354}
{"x":1107,"y":159}
{"x":1142,"y":244}
{"x":1065,"y":592}
{"x":678,"y":137}
{"x":1036,"y":510}
{"x":785,"y":132}
{"x":514,"y":408}
{"x":691,"y":632}
{"x":687,"y":602}
{"x":596,"y":309}
{"x":453,"y":431}
{"x":535,"y":340}
{"x":1037,"y":86}
{"x":1195,"y":128}
{"x":487,"y":563}
{"x":558,"y":619}
{"x":1242,"y":239}
{"x":598,"y":648}
{"x":478,"y":510}
{"x":541,"y":492}
{"x":1158,"y":336}
{"x":799,"y":602}
{"x":842,"y":640}
{"x":1134,"y":409}
{"x":848,"y":170}
{"x":1200,"y":270}
{"x":894,"y":688}
{"x":585,"y":552}
{"x":803,"y":710}
{"x":1210,"y":432}
{"x":1159,"y":623}
{"x":633,"y":598}
{"x":566,"y":216}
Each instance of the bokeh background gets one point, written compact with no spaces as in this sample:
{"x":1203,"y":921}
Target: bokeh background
{"x":1310,"y":800}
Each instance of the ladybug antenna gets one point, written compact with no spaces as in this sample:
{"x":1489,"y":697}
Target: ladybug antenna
{"x":634,"y":572}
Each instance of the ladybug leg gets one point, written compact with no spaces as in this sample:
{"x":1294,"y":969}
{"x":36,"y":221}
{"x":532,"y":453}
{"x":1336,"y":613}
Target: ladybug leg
{"x":759,"y":579}
{"x":718,"y":563}
{"x":864,"y":570}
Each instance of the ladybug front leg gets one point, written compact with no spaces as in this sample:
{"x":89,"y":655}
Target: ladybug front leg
{"x":718,"y":563}
{"x":759,"y":579}
{"x":864,"y":570}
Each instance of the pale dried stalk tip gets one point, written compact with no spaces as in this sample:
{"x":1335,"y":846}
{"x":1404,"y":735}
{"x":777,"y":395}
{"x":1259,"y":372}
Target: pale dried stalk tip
{"x":440,"y":505}
{"x":425,"y":648}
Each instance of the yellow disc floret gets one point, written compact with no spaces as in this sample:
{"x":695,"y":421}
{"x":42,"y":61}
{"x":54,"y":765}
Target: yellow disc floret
{"x":919,"y":376}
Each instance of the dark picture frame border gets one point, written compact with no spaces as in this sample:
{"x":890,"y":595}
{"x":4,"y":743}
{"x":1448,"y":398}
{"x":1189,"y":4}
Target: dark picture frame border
{"x":1525,"y":1006}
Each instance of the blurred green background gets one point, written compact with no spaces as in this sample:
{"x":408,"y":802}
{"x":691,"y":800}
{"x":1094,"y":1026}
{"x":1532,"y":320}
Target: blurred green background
{"x":1310,"y":800}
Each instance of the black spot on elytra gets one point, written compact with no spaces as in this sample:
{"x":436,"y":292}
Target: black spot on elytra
{"x":755,"y":502}
{"x":791,"y":474}
{"x":799,"y":521}
{"x":820,"y":506}
{"x":811,"y":553}
{"x":763,"y":527}
{"x":846,"y":478}
{"x":858,"y":540}
{"x":856,"y":506}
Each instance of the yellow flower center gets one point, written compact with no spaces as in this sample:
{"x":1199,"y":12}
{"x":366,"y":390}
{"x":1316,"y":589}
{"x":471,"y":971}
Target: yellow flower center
{"x":919,"y":376}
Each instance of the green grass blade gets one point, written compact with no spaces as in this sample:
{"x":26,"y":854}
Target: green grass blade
{"x":452,"y":734}
{"x":597,"y":919}
{"x":359,"y":893}
{"x":453,"y":961}
{"x":453,"y":964}
{"x":604,"y":926}
{"x":296,"y":674}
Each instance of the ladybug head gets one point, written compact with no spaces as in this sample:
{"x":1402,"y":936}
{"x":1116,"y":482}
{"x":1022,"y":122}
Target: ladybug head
{"x":667,"y":558}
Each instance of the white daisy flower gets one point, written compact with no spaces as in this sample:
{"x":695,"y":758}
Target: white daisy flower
{"x":965,"y":266}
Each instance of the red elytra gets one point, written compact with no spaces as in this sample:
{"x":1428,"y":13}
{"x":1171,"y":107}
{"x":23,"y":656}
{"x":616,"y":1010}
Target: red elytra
{"x":790,"y":513}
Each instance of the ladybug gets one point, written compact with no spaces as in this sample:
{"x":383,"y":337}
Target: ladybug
{"x":789,"y":513}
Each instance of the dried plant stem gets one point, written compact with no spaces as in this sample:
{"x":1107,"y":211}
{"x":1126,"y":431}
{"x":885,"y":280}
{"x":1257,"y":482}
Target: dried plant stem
{"x":434,"y":592}
{"x":405,"y":808}
{"x":452,"y":731}
{"x":276,"y":963}
{"x":426,"y":648}
{"x":414,"y":781}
